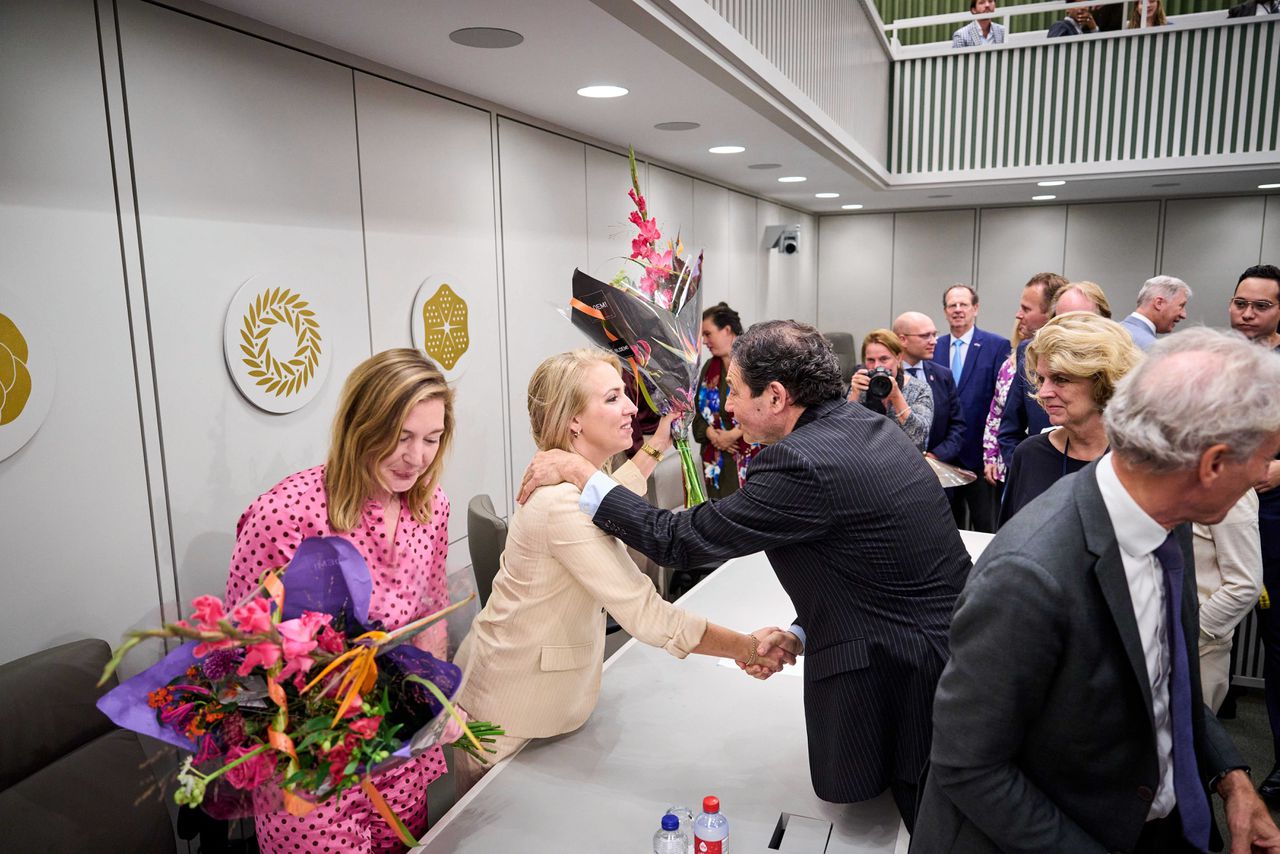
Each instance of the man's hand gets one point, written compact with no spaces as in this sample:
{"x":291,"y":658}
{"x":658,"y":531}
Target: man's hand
{"x":1273,"y":477}
{"x":989,"y":472}
{"x":1248,"y":820}
{"x":777,"y":647}
{"x":551,"y":467}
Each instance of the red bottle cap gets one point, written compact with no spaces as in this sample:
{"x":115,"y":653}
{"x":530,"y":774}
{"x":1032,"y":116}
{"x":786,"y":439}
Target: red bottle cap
{"x":711,"y":804}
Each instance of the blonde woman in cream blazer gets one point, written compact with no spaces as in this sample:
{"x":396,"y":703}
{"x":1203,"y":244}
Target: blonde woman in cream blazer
{"x":534,"y":656}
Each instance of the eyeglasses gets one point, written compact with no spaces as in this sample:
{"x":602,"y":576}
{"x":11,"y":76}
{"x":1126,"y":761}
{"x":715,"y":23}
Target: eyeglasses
{"x":1260,"y":306}
{"x":928,"y":336}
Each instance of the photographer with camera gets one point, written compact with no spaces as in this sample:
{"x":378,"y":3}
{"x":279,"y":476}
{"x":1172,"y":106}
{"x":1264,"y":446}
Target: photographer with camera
{"x":882,"y":386}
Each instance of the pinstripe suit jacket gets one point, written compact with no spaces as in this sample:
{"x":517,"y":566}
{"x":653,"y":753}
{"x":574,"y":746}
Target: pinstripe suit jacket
{"x":535,"y":652}
{"x":857,"y":528}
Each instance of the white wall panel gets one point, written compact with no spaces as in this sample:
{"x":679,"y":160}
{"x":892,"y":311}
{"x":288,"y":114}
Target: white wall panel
{"x":75,"y":524}
{"x":1015,"y":244}
{"x":544,"y":229}
{"x":1208,"y":243}
{"x":931,"y":249}
{"x":670,"y":197}
{"x":1115,"y":246}
{"x":426,"y":171}
{"x":711,"y":225}
{"x":788,"y":283}
{"x":609,"y":232}
{"x":245,"y":166}
{"x":744,"y":260}
{"x":1271,"y":233}
{"x":855,"y":273}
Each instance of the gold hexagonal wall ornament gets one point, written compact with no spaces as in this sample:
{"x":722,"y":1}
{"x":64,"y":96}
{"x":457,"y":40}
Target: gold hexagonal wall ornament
{"x":445,"y":336}
{"x":15,"y":378}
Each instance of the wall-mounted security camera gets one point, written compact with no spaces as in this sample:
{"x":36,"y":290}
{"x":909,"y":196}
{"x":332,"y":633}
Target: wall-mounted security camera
{"x":784,"y":238}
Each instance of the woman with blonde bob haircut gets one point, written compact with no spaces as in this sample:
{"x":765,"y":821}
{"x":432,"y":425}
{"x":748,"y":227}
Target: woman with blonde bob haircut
{"x":380,"y":491}
{"x":534,"y":655}
{"x":1074,"y":364}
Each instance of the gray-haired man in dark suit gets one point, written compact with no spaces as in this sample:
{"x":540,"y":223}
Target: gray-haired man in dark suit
{"x":1070,"y":717}
{"x":858,"y":530}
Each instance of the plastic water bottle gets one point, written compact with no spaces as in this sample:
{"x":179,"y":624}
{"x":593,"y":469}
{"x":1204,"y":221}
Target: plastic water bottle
{"x":711,"y":829}
{"x":669,"y":840}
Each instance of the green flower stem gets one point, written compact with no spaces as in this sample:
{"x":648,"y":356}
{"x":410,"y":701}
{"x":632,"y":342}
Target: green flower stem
{"x":261,"y":748}
{"x":692,"y":477}
{"x":444,"y":701}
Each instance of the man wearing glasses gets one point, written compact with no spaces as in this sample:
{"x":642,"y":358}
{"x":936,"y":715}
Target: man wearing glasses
{"x":1255,"y":313}
{"x":919,"y":339}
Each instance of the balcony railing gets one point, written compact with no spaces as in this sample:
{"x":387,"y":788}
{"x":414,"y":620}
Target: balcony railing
{"x":1203,"y":91}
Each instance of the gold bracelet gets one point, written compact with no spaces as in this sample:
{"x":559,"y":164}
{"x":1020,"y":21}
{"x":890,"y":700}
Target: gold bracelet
{"x":652,"y":451}
{"x":755,"y":647}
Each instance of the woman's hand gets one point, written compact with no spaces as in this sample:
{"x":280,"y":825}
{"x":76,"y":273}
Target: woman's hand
{"x":896,"y":398}
{"x":452,"y":731}
{"x":858,"y":384}
{"x":662,"y":439}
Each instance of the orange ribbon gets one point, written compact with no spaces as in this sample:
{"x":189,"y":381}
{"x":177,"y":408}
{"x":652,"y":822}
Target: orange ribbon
{"x":276,"y":735}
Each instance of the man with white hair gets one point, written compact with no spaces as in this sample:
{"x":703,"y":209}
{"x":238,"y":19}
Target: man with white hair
{"x":1162,"y":305}
{"x":1069,"y":716}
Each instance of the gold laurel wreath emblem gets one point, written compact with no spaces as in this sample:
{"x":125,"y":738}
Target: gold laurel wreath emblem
{"x":280,"y":376}
{"x":15,"y":379}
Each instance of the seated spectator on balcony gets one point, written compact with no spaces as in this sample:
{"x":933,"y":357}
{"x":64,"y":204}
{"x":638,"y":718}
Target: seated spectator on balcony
{"x":1081,"y":296}
{"x":1155,"y":15}
{"x":979,"y":33}
{"x":1078,"y":22}
{"x":1074,"y":364}
{"x":1254,"y":7}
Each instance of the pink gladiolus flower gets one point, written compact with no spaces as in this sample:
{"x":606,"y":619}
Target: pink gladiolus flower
{"x":208,"y":611}
{"x":264,"y":654}
{"x":253,"y":617}
{"x":253,"y":772}
{"x":366,"y":728}
{"x":638,"y":200}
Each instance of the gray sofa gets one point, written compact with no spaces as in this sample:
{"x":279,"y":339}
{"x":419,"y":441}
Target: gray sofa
{"x":69,"y":779}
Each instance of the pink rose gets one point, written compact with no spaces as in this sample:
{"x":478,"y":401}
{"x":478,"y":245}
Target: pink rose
{"x":253,"y":772}
{"x":298,"y":639}
{"x":264,"y":654}
{"x":366,"y":728}
{"x":330,"y":640}
{"x":254,"y":616}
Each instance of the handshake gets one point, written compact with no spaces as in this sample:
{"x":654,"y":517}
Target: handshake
{"x":777,"y":647}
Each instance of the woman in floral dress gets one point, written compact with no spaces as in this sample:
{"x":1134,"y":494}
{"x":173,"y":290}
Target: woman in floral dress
{"x":725,"y":454}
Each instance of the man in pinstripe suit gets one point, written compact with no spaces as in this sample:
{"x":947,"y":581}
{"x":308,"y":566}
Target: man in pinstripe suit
{"x":861,"y":536}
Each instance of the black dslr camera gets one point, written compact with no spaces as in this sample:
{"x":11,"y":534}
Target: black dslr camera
{"x":881,"y":387}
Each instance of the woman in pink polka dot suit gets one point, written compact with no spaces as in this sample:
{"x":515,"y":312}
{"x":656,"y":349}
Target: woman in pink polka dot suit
{"x":379,"y":490}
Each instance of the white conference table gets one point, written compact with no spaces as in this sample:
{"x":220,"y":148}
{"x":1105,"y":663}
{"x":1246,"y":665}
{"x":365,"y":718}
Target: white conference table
{"x":669,"y":732}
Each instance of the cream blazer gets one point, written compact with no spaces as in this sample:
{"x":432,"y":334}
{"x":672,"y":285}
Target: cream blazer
{"x":535,"y":652}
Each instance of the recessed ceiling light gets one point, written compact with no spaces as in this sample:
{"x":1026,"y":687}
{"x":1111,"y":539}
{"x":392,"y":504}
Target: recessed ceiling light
{"x":851,"y":207}
{"x":491,"y":37}
{"x":1050,"y":183}
{"x":826,"y":195}
{"x":792,"y":179}
{"x":1168,"y":184}
{"x":940,"y":196}
{"x":765,"y":166}
{"x":1269,"y":186}
{"x":726,"y":149}
{"x":677,"y":126}
{"x":602,"y":91}
{"x":1043,"y":198}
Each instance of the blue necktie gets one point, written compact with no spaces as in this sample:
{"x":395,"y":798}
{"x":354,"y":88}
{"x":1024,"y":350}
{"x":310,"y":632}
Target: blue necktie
{"x":1193,"y":806}
{"x":957,"y":360}
{"x":914,"y":370}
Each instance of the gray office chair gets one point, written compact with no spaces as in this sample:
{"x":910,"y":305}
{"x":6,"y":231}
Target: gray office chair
{"x":486,"y":538}
{"x":842,"y":346}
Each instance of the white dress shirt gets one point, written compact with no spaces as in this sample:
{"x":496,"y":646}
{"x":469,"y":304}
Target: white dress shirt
{"x":1138,"y":535}
{"x":1145,"y":321}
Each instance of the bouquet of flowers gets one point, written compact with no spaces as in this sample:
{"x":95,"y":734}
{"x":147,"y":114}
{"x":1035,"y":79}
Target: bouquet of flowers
{"x":650,"y":316}
{"x":292,"y":695}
